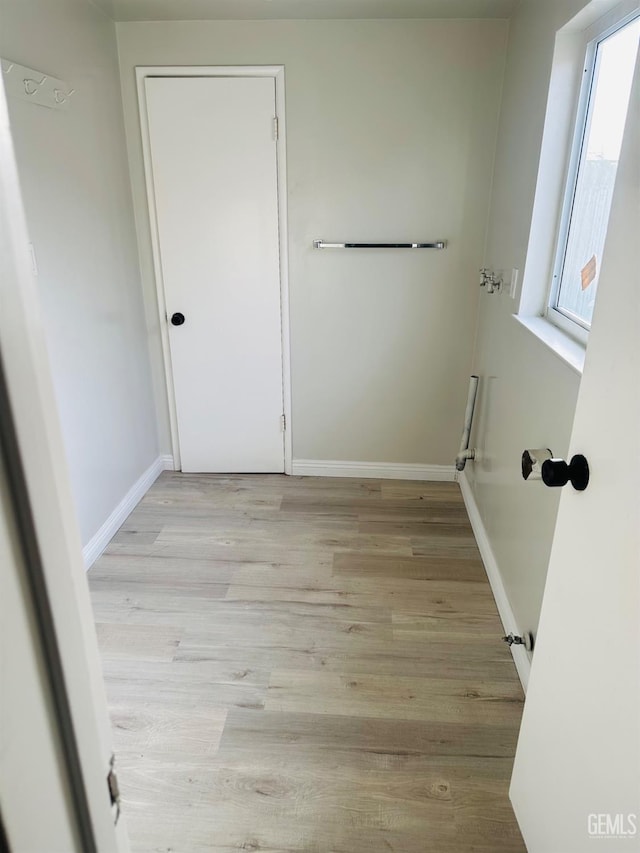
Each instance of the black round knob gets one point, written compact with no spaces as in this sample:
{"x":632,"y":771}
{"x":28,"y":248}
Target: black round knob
{"x":177,"y":319}
{"x":556,"y":472}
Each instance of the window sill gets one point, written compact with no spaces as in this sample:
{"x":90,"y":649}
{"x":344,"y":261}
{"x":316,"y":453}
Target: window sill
{"x":559,"y":342}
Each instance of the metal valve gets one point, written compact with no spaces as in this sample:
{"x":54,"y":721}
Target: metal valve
{"x":491,"y":280}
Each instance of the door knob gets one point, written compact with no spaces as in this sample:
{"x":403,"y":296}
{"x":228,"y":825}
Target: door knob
{"x":556,"y":472}
{"x":532,"y":462}
{"x":177,"y":319}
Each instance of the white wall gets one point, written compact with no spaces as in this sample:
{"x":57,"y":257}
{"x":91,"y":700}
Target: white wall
{"x":74,"y":174}
{"x":528,"y":393}
{"x":390,"y":136}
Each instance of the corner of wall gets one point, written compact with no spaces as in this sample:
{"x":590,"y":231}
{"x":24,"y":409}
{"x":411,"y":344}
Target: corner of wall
{"x":96,"y":545}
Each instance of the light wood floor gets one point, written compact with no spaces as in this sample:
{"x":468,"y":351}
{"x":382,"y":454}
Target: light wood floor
{"x":306,"y":664}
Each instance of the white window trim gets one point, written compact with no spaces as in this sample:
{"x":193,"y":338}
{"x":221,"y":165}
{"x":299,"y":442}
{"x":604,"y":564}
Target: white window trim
{"x":565,"y":347}
{"x":559,"y":132}
{"x":594,"y":35}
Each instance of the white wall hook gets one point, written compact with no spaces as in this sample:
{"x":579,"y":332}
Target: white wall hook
{"x":62,"y":97}
{"x":34,"y":86}
{"x":31,"y":86}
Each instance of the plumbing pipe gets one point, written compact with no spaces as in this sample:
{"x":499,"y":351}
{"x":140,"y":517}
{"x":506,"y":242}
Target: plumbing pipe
{"x":465,"y":451}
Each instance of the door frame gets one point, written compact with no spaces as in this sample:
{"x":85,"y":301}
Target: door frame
{"x":55,"y":583}
{"x":277,"y":73}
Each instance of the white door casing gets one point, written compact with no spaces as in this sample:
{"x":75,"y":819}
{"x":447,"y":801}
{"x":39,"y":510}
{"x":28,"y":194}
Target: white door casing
{"x":31,"y":785}
{"x":212,"y":153}
{"x":576,"y":779}
{"x":28,"y":734}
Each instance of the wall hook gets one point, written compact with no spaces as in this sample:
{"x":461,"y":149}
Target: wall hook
{"x":62,"y":97}
{"x":31,"y":86}
{"x":35,"y":87}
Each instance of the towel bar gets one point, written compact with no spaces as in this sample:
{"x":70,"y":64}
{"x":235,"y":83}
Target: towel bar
{"x":320,"y":244}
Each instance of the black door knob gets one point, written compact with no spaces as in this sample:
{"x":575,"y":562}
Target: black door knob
{"x":556,"y":472}
{"x":177,"y":319}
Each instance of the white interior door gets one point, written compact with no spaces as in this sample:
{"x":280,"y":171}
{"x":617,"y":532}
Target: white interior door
{"x":576,"y":780}
{"x":213,"y":158}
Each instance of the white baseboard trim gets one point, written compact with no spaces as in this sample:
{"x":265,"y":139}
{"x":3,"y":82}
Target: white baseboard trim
{"x":167,"y":462}
{"x":96,"y":545}
{"x":377,"y":470}
{"x":520,"y":654}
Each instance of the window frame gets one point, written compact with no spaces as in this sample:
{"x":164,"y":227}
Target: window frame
{"x":568,"y":322}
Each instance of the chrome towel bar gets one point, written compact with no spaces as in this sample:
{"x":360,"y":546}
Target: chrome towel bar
{"x":320,"y":244}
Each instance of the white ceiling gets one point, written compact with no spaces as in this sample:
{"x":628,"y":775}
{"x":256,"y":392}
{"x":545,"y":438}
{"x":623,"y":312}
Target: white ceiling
{"x":200,"y":10}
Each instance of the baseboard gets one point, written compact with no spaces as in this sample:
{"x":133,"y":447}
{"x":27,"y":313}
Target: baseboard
{"x":520,"y":654}
{"x":378,"y":470}
{"x":167,"y":462}
{"x":96,"y":545}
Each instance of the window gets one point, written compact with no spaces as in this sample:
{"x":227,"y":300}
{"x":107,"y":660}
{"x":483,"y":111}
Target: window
{"x":600,"y":124}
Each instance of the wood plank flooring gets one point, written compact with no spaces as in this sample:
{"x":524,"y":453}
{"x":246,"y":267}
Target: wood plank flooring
{"x":306,"y":664}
